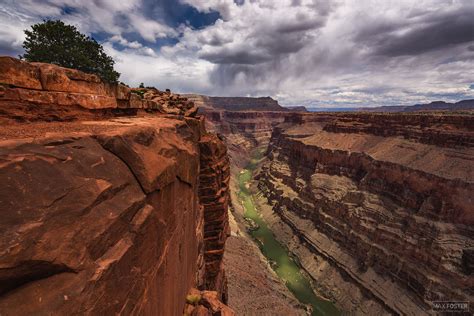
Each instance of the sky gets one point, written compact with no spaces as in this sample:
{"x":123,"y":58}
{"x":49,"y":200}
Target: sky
{"x":317,"y":53}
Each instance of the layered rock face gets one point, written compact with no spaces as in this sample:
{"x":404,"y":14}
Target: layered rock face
{"x":253,"y":287}
{"x":381,"y":204}
{"x":444,"y":130}
{"x":38,"y":91}
{"x":264,"y":104}
{"x":243,"y":131}
{"x":214,"y":198}
{"x":106,"y":215}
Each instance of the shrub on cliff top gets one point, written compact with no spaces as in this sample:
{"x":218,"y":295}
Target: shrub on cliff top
{"x":57,"y":43}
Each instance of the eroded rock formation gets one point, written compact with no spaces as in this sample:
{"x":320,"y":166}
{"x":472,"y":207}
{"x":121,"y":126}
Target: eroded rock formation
{"x":381,"y":204}
{"x":384,"y":222}
{"x":243,"y":131}
{"x":214,"y":198}
{"x":104,"y":215}
{"x":38,"y":91}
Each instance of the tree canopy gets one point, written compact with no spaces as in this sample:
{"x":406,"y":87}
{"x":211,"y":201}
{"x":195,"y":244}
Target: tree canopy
{"x":58,"y":43}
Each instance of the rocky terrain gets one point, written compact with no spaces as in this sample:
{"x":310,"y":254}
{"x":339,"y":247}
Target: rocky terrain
{"x":253,"y":287}
{"x":112,"y":202}
{"x":377,"y":207}
{"x":46,"y":92}
{"x":262,"y":104}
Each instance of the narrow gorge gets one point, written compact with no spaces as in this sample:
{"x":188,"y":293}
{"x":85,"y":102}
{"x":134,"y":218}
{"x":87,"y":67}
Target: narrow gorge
{"x":113,"y":202}
{"x":375,"y":208}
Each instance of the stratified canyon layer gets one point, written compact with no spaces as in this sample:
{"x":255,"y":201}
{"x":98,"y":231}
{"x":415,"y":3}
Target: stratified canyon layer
{"x":254,"y":288}
{"x":206,"y":103}
{"x":104,"y":214}
{"x":377,"y":207}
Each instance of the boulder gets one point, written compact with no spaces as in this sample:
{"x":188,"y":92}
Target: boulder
{"x":55,"y":78}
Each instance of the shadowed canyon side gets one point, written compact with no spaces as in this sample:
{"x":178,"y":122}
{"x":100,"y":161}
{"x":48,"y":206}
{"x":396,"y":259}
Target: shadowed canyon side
{"x":110,"y":202}
{"x":380,"y":204}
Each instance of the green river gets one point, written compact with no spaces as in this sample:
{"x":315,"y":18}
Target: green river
{"x":282,"y":263}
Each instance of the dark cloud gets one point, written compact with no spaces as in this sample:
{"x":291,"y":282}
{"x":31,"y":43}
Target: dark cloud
{"x":7,"y":50}
{"x":276,"y":44}
{"x":300,"y":25}
{"x":260,"y":47}
{"x":240,"y":57}
{"x":270,"y":39}
{"x":432,"y":33}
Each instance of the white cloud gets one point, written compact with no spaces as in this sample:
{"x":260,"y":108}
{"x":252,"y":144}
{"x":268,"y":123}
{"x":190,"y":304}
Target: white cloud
{"x":179,"y":73}
{"x":311,"y":52}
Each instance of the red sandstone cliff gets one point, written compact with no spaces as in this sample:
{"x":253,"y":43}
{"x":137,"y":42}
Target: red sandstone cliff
{"x":106,"y":215}
{"x":214,"y":198}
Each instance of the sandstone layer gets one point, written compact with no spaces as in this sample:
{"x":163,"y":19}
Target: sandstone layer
{"x":39,"y":92}
{"x":104,"y":214}
{"x":244,"y":131}
{"x":214,"y":198}
{"x":380,"y":205}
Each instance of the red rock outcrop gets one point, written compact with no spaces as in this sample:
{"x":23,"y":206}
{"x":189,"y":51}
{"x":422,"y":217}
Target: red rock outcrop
{"x":205,"y":303}
{"x":214,"y":198}
{"x":105,"y":216}
{"x":35,"y":87}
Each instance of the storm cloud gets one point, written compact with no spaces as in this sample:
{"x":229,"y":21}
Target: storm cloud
{"x":435,"y":31}
{"x":302,"y":52}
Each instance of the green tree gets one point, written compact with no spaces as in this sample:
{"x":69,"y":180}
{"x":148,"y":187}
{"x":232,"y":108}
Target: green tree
{"x":61,"y":44}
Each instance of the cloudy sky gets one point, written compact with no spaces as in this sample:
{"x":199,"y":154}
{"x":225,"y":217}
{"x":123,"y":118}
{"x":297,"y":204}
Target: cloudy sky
{"x":302,"y":52}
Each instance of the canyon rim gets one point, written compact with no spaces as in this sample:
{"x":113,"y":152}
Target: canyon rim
{"x":236,"y":158}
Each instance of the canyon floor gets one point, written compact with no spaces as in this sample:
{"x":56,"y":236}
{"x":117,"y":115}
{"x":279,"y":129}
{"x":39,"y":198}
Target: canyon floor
{"x":254,"y":288}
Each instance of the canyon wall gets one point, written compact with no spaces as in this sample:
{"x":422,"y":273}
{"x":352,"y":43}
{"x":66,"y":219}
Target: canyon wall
{"x":377,"y":207}
{"x":264,"y":104}
{"x":254,"y":288}
{"x":107,"y":211}
{"x":244,"y":130}
{"x":381,"y":205}
{"x":214,"y":198}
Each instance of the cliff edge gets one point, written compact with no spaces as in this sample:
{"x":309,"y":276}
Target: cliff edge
{"x":113,"y":202}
